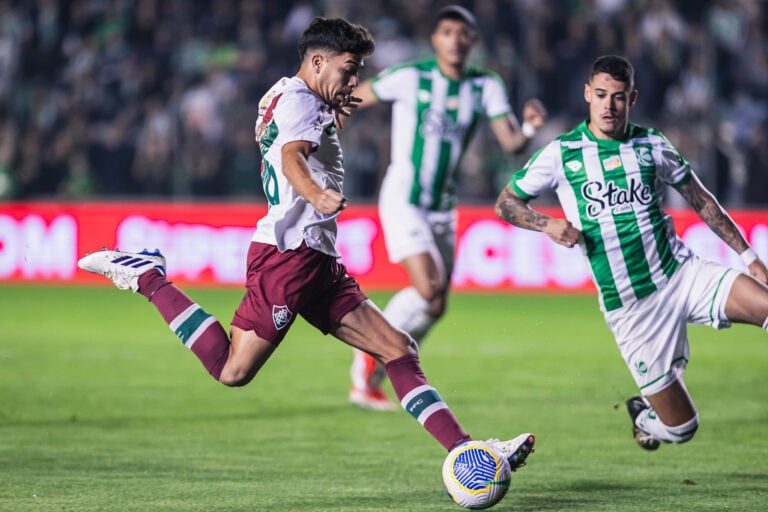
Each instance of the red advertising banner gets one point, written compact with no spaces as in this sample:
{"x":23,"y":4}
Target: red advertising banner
{"x":206,"y":244}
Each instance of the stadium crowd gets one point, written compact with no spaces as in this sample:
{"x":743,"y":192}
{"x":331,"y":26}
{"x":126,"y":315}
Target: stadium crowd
{"x":158,"y":98}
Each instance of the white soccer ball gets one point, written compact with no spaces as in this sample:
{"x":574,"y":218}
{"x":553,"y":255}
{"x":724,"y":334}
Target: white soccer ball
{"x":475,"y":476}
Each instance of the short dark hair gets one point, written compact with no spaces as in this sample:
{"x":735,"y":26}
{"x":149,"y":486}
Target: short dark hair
{"x":337,"y":35}
{"x":457,"y":13}
{"x":618,"y":67}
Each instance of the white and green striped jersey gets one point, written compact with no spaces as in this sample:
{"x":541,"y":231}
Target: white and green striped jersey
{"x":613,"y":192}
{"x":433,"y":120}
{"x":290,"y":112}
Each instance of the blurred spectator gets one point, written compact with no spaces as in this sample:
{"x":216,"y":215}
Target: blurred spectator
{"x":158,"y":98}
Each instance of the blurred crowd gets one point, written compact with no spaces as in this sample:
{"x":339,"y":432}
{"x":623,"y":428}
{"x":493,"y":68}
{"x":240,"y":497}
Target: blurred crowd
{"x":158,"y":98}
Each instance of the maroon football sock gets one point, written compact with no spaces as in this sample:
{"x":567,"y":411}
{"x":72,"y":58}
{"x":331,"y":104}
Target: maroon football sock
{"x":197,"y":330}
{"x":422,"y":402}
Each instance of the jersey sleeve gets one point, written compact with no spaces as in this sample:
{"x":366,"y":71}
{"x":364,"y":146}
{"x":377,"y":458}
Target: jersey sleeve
{"x":674,"y":170}
{"x":539,"y":174}
{"x":495,"y":97}
{"x":394,"y":83}
{"x":300,"y":117}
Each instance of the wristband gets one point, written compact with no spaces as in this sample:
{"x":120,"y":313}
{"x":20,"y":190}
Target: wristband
{"x":528,"y":130}
{"x":748,"y":257}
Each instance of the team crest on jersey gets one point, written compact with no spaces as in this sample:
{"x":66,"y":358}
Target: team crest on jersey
{"x":644,"y":157}
{"x":281,"y":315}
{"x":574,"y":166}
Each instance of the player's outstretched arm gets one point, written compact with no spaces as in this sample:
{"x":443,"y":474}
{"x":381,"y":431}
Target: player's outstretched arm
{"x":718,"y":220}
{"x":516,"y":211}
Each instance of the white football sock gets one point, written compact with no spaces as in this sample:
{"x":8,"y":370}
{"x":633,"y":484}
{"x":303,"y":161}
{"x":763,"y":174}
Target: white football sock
{"x":649,"y":422}
{"x":765,"y":324}
{"x":406,"y":310}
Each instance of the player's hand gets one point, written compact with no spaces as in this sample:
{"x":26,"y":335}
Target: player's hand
{"x":562,"y":232}
{"x":534,"y":113}
{"x":346,"y":108}
{"x":758,"y":270}
{"x":329,"y":201}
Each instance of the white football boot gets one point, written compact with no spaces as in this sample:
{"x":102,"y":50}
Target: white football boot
{"x":516,"y":450}
{"x":123,"y":268}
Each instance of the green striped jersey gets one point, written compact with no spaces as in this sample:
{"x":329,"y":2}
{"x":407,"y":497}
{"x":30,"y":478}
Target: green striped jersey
{"x":433,"y":120}
{"x":613,"y":192}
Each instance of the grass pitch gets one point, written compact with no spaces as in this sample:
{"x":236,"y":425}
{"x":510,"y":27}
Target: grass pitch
{"x":102,"y":409}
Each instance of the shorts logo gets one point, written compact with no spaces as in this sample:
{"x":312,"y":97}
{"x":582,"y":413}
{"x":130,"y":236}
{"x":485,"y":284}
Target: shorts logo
{"x":641,"y":368}
{"x":281,"y":315}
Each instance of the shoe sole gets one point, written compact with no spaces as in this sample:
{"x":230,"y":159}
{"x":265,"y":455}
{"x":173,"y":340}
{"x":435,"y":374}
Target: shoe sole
{"x":523,"y":452}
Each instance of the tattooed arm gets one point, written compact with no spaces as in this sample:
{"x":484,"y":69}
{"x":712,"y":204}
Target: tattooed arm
{"x":710,"y":211}
{"x":513,"y":209}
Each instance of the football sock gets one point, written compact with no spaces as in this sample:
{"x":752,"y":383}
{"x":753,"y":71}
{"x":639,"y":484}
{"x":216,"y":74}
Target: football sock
{"x":197,"y":330}
{"x":407,"y":310}
{"x":649,"y":422}
{"x":421,"y":401}
{"x":765,"y":324}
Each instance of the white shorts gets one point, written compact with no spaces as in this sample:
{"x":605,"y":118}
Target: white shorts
{"x":652,"y":333}
{"x":409,"y":230}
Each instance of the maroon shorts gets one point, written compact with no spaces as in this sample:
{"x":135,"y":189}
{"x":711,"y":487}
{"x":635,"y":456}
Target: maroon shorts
{"x":280,"y":285}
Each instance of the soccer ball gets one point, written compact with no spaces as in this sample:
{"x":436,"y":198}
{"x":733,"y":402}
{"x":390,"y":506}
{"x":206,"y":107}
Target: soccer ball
{"x":475,"y":476}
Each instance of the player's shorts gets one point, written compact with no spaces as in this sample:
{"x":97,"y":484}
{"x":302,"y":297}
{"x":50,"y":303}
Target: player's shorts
{"x":409,"y":230}
{"x":280,"y":285}
{"x":652,"y":333}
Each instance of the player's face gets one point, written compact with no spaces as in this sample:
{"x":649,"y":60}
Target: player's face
{"x":338,"y":77}
{"x":609,"y":102}
{"x":452,"y":41}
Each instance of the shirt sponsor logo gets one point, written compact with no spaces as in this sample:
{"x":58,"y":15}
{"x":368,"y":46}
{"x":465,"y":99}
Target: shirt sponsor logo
{"x":601,"y":196}
{"x":436,"y":124}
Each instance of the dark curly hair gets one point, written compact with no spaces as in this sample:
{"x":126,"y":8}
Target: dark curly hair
{"x":337,"y":35}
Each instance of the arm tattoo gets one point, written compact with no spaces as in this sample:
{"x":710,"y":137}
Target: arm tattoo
{"x":710,"y":211}
{"x":517,"y":212}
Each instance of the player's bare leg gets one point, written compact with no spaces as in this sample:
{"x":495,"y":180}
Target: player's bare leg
{"x":748,"y":302}
{"x":414,"y":309}
{"x":365,"y":328}
{"x":247,"y":354}
{"x":666,"y":416}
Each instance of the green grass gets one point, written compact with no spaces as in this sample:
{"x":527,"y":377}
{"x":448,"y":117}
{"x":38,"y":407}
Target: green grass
{"x":102,"y":409}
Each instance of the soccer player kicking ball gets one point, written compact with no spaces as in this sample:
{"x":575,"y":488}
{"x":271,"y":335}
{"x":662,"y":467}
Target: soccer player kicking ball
{"x":293,"y":265}
{"x":609,"y":176}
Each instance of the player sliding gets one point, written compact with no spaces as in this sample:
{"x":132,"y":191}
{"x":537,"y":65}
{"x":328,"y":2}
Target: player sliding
{"x":293,"y":266}
{"x":609,"y":176}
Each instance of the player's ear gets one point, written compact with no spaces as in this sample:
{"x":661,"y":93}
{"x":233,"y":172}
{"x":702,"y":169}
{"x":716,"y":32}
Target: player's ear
{"x":633,"y":98}
{"x":587,"y":93}
{"x":317,"y":60}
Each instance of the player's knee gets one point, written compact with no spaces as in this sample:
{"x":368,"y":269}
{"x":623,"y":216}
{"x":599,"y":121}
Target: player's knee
{"x":235,"y":377}
{"x":436,"y":304}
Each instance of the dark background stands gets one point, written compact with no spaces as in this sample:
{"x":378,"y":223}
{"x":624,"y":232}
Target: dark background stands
{"x":158,"y":98}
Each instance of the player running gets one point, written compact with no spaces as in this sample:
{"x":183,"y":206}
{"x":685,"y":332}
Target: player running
{"x":609,"y":176}
{"x":437,"y":104}
{"x":293,"y":266}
